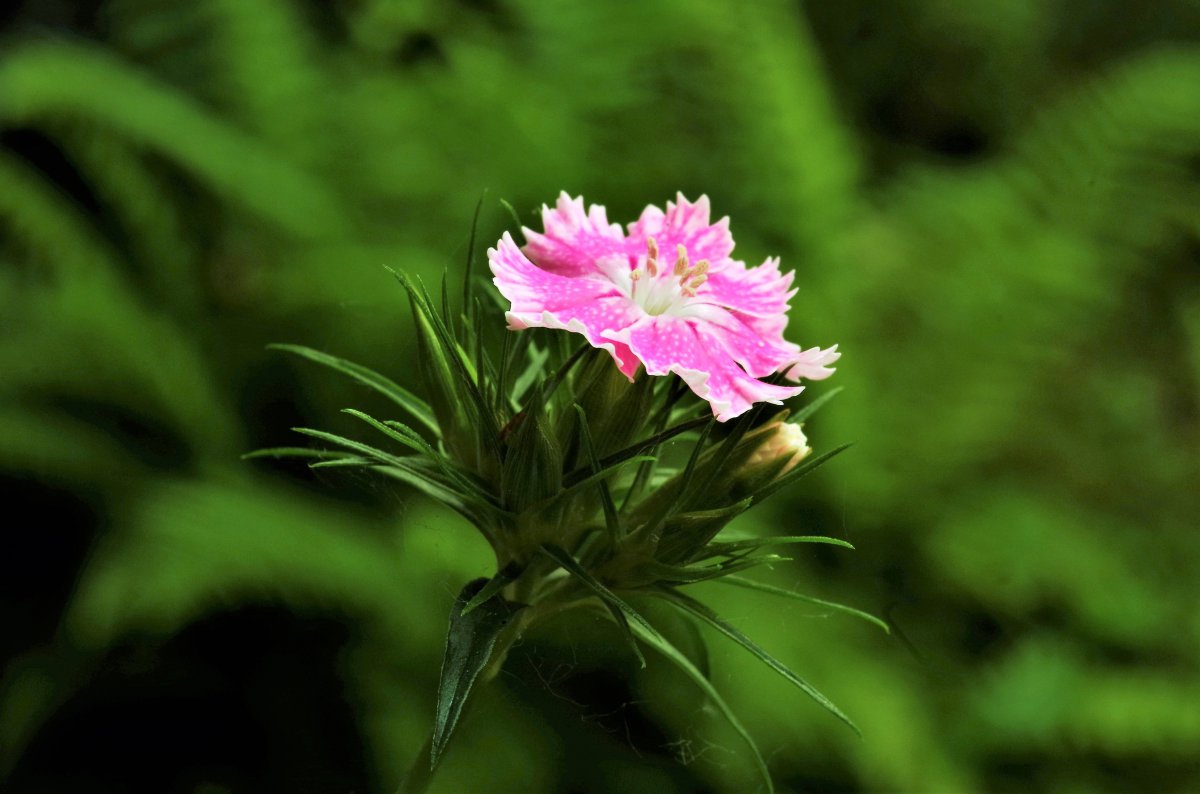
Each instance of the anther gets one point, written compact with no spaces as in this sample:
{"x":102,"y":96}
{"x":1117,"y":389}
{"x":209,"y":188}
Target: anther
{"x":681,"y":263}
{"x":651,"y":257}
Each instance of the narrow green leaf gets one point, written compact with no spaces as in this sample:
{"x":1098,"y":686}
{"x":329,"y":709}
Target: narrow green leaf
{"x":434,"y":490}
{"x":347,"y":461}
{"x":751,"y":584}
{"x":511,"y":211}
{"x":795,"y":474}
{"x":470,"y":640}
{"x":689,"y":471}
{"x":741,"y":426}
{"x":396,"y":431}
{"x":394,"y":392}
{"x":355,"y":446}
{"x":646,"y":471}
{"x":816,"y":405}
{"x":686,"y":535}
{"x":602,"y":474}
{"x":626,"y":632}
{"x":470,"y":265}
{"x":653,"y":638}
{"x":486,"y":378}
{"x":500,"y":403}
{"x":447,"y":313}
{"x":644,"y":446}
{"x":750,"y":544}
{"x":701,"y":611}
{"x":611,"y":522}
{"x":414,"y":471}
{"x":503,"y":578}
{"x":407,"y":436}
{"x":293,"y":452}
{"x":691,"y":574}
{"x":531,"y":374}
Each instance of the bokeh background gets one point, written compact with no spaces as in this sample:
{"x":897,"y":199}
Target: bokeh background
{"x":993,"y":207}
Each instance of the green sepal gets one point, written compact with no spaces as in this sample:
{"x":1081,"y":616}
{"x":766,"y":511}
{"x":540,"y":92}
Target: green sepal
{"x":470,"y":641}
{"x":414,"y":405}
{"x":616,"y":409}
{"x":469,"y":427}
{"x":532,"y":470}
{"x":651,"y":636}
{"x":694,"y":607}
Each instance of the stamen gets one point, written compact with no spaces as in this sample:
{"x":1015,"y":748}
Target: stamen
{"x":651,"y":257}
{"x":681,"y":263}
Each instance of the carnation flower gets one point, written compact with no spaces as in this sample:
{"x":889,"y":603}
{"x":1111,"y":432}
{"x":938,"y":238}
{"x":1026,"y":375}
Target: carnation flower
{"x":561,"y":469}
{"x":665,"y":295}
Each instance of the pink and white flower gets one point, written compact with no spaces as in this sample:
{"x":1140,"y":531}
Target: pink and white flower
{"x":665,"y":295}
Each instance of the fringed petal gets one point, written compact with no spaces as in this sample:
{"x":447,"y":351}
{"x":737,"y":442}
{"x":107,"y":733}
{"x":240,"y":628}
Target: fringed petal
{"x":589,"y":306}
{"x":692,"y":350}
{"x":684,"y":223}
{"x":575,"y":238}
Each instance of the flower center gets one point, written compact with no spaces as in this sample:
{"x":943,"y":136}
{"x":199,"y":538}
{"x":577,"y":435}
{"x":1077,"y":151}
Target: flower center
{"x":659,"y":290}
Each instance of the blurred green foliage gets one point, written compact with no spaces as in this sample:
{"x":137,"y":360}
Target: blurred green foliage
{"x":994,"y":208}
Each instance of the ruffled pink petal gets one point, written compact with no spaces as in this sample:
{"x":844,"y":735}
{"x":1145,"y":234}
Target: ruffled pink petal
{"x":759,"y":291}
{"x":686,"y":224}
{"x":690,"y":349}
{"x":814,"y":364}
{"x":755,"y":343}
{"x":588,"y":305}
{"x":574,"y":239}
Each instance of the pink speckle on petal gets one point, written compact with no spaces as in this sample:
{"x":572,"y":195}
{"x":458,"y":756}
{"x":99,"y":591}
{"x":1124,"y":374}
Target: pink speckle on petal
{"x":718,"y":324}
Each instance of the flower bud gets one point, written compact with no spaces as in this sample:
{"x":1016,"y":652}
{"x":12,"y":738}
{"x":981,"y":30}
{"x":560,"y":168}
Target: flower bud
{"x":787,"y":443}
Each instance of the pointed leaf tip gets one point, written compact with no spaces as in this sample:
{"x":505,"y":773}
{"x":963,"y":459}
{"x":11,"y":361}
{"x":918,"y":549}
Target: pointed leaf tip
{"x":470,"y":643}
